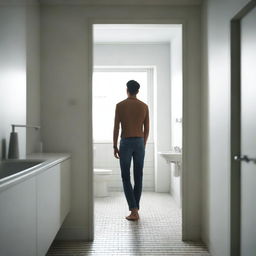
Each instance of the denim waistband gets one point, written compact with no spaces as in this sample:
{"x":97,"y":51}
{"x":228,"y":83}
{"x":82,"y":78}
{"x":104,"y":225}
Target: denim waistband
{"x":132,"y":138}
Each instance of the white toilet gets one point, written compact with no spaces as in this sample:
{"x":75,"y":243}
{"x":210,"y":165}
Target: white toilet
{"x":100,"y":182}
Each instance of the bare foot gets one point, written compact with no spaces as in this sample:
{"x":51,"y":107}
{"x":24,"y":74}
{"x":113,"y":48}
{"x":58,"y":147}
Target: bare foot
{"x":133,"y":216}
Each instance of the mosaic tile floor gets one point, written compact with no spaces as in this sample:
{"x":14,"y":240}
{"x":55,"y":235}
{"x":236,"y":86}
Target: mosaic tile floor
{"x":158,"y":232}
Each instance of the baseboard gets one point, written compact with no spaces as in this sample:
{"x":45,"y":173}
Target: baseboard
{"x":115,"y":189}
{"x":73,"y":234}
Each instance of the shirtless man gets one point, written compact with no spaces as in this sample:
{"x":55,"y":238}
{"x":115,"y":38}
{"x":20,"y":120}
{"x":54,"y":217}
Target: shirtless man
{"x":133,"y":115}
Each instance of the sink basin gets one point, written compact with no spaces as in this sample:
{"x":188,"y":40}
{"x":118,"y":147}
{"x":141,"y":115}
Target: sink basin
{"x":171,"y":156}
{"x":11,"y":168}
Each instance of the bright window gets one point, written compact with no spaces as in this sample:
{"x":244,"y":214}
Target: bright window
{"x":109,"y":88}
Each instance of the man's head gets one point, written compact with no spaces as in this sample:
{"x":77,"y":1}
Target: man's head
{"x":132,"y":87}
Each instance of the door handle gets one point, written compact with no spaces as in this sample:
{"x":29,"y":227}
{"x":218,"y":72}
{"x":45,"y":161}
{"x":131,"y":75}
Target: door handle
{"x":244,"y":158}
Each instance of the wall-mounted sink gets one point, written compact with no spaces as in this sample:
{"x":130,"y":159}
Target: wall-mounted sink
{"x":171,"y":156}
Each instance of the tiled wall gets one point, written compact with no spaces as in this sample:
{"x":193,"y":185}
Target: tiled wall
{"x":104,"y":158}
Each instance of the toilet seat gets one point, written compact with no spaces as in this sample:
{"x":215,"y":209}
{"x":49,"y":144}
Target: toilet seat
{"x":102,"y":171}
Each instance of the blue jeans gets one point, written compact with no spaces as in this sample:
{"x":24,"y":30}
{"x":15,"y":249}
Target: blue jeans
{"x":132,"y":148}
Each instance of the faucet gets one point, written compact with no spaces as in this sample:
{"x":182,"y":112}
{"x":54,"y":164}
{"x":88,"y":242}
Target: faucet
{"x":177,"y":149}
{"x":36,"y":127}
{"x":13,"y":152}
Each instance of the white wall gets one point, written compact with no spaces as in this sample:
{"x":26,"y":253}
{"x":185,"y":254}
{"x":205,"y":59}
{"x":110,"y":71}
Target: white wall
{"x":12,"y":73}
{"x":176,"y":110}
{"x":66,"y":99}
{"x":216,"y":124}
{"x":19,"y":73}
{"x":147,"y":55}
{"x":176,"y":88}
{"x":33,"y":75}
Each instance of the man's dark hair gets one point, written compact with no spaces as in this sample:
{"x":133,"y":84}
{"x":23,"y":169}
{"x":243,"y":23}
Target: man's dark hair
{"x":133,"y":87}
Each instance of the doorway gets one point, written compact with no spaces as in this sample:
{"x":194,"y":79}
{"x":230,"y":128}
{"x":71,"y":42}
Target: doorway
{"x":152,"y":55}
{"x":191,"y":151}
{"x":243,"y":150}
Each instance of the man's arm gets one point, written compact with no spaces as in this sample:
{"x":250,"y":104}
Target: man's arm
{"x":146,"y":127}
{"x":116,"y":133}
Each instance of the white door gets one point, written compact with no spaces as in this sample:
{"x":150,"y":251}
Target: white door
{"x":248,"y":134}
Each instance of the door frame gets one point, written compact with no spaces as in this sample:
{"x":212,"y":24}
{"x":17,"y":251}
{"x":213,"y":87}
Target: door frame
{"x":235,"y":139}
{"x":188,"y":215}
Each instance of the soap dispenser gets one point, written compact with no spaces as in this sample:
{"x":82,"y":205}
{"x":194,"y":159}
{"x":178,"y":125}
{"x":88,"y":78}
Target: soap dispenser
{"x":13,"y":152}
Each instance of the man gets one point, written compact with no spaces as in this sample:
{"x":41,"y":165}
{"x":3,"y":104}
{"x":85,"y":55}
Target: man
{"x":133,"y":115}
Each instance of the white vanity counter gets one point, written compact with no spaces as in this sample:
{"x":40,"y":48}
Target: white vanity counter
{"x":42,"y":162}
{"x":34,"y":201}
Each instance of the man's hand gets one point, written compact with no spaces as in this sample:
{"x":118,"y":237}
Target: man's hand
{"x":116,"y":153}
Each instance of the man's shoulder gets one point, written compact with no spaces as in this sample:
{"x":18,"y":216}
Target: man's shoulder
{"x":143,"y":103}
{"x":121,"y":102}
{"x":127,"y":102}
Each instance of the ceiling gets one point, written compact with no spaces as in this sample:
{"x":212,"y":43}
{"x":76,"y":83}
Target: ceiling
{"x":121,"y":2}
{"x":131,"y":33}
{"x":104,"y":2}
